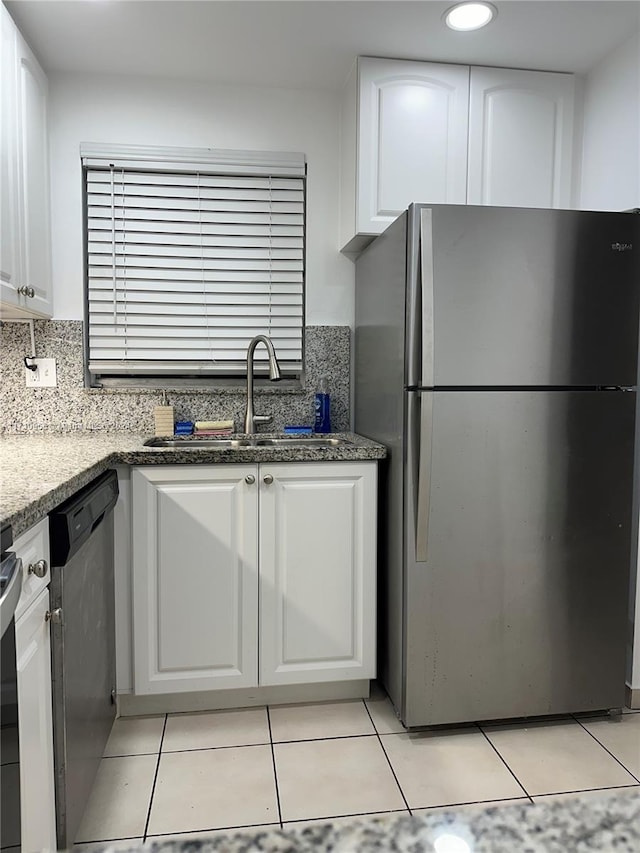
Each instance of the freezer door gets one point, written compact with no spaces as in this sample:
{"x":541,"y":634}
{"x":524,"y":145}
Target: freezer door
{"x":522,"y":297}
{"x":517,"y":553}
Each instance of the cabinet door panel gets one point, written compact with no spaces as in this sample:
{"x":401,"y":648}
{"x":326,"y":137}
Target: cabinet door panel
{"x":33,"y":658}
{"x":10,"y":273}
{"x":317,"y":588}
{"x":520,"y":138}
{"x":413,"y":138}
{"x":194,"y":578}
{"x":34,"y":150}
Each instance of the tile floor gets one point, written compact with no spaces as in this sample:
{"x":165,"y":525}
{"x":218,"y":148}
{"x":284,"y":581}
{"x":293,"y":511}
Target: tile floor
{"x":194,"y":774}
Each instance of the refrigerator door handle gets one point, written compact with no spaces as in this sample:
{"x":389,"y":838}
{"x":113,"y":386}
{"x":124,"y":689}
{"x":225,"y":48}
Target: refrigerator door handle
{"x":424,"y":476}
{"x":426,"y":296}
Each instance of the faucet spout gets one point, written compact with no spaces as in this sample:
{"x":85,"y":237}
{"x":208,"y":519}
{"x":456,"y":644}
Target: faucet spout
{"x":251,"y":419}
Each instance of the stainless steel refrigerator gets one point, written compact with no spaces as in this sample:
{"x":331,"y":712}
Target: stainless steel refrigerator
{"x":496,"y":358}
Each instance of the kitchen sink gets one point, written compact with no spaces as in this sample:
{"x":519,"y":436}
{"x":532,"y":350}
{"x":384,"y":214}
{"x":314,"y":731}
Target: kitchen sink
{"x":199,"y":443}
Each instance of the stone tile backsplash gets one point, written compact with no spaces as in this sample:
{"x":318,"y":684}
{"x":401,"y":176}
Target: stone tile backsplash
{"x":70,"y":406}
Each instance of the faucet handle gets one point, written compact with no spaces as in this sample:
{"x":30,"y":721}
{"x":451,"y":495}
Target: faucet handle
{"x":262,"y":419}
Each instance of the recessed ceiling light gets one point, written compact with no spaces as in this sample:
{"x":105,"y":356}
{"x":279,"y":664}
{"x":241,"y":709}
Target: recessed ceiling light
{"x":470,"y":16}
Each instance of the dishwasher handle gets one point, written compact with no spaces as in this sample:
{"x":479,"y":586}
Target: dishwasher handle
{"x":73,"y":522}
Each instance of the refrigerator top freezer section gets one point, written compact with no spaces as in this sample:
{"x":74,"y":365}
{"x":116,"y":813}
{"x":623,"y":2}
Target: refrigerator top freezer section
{"x":517,"y":297}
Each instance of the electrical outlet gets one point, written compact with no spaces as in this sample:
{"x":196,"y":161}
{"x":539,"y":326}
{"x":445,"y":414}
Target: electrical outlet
{"x":45,"y":374}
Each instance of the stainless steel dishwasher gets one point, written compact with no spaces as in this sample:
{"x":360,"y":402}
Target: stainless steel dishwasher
{"x":82,"y":645}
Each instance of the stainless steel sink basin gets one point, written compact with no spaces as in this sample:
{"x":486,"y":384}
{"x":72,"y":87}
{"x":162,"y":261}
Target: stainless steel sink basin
{"x":199,"y":443}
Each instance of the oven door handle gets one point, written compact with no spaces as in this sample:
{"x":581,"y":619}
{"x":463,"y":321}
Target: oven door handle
{"x":11,"y":574}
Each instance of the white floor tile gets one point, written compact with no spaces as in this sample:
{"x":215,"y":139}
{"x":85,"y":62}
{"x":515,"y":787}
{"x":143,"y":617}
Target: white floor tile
{"x":119,"y":800}
{"x":213,"y":789}
{"x":322,"y":720}
{"x":327,"y":778}
{"x":621,"y":736}
{"x":384,"y":716}
{"x":135,"y":736}
{"x":447,"y":767}
{"x":205,"y":730}
{"x":556,"y":757}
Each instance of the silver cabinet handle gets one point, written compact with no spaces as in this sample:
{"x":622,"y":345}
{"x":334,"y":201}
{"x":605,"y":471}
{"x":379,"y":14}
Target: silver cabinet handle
{"x":250,"y":479}
{"x":26,"y":291}
{"x":268,"y":479}
{"x":54,"y":616}
{"x":38,"y":569}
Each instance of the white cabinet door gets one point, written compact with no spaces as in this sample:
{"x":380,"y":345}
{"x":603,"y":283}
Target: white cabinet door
{"x":520,"y":138}
{"x":412,"y":138}
{"x":195,"y":577}
{"x":33,"y":654}
{"x":10,"y":270}
{"x":32,"y":547}
{"x":34,"y":173}
{"x":25,"y":248}
{"x":317,"y":572}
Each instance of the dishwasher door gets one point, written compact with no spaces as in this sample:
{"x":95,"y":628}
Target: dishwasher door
{"x":82,"y":645}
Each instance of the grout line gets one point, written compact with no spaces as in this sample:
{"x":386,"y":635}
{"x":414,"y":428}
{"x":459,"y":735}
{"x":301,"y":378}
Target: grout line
{"x":275,"y":770}
{"x":404,"y":799}
{"x":257,"y":743}
{"x":585,"y":791}
{"x":103,"y":841}
{"x":319,"y":820}
{"x":155,"y":779}
{"x":213,"y":830}
{"x":494,"y":748}
{"x":633,"y":776}
{"x":209,"y":748}
{"x":484,"y":803}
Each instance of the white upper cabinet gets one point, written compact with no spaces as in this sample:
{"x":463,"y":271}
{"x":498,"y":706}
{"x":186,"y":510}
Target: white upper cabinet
{"x":10,"y":271}
{"x":450,"y":134}
{"x":25,"y":253}
{"x":411,"y":139}
{"x":520,"y":138}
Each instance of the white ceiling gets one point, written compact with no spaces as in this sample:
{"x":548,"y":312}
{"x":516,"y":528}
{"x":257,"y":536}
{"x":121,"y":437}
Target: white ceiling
{"x":310,"y":43}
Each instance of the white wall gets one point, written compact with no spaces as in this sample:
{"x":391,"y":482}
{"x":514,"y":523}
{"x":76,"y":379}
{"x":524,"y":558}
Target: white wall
{"x":611,"y":144}
{"x":140,"y":111}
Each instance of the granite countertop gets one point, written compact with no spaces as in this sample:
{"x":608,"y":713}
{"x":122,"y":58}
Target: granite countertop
{"x":582,"y":824}
{"x":37,"y":472}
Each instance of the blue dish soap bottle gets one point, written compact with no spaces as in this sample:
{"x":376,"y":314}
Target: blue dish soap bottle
{"x":323,"y":407}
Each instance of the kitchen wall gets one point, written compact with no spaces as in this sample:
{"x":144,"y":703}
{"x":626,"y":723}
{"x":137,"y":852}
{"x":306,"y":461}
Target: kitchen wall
{"x":611,"y":142}
{"x":140,"y":111}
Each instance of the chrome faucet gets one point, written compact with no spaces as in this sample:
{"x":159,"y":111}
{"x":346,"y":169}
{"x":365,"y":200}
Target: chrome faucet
{"x":251,"y":420}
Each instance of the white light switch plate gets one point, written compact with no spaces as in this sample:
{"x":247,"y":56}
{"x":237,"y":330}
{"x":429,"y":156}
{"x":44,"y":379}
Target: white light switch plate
{"x":44,"y":376}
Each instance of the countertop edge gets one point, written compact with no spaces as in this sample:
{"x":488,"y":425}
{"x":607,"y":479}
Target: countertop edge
{"x":39,"y":472}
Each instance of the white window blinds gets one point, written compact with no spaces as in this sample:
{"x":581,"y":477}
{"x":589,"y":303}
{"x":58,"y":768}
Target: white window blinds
{"x":185,"y":267}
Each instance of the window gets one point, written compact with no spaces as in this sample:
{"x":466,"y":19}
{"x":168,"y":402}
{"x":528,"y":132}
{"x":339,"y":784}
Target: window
{"x":189,"y":254}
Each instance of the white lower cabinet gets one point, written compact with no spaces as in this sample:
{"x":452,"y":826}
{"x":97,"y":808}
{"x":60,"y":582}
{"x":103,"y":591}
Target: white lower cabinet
{"x":317,"y":572}
{"x":247,"y":575}
{"x":33,"y":664}
{"x":33,"y":668}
